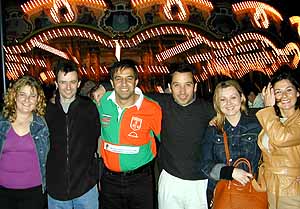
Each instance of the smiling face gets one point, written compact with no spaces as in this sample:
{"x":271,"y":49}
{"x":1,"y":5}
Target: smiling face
{"x":67,"y":84}
{"x":286,"y":96}
{"x":26,"y":100}
{"x":183,"y":88}
{"x":124,"y":83}
{"x":230,"y":101}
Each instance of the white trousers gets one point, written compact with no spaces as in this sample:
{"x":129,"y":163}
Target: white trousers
{"x":176,"y":193}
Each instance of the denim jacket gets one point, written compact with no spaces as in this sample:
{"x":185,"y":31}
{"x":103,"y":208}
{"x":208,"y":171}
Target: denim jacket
{"x":40,"y":135}
{"x":242,"y":142}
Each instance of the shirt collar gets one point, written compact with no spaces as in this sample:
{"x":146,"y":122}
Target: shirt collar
{"x":138,"y":102}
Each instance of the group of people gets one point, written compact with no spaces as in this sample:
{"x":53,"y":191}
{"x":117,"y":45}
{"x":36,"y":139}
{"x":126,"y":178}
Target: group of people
{"x":52,"y":151}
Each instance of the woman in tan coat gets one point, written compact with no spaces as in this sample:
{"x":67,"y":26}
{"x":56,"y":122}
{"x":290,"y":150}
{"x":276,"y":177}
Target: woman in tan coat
{"x":279,"y":140}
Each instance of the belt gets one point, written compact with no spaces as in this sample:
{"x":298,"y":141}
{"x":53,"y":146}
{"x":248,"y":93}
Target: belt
{"x":287,"y":171}
{"x":143,"y":169}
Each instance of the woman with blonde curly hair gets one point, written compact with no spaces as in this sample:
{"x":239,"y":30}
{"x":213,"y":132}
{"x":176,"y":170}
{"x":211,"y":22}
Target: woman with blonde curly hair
{"x":24,"y":144}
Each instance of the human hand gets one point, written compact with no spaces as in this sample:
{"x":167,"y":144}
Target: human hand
{"x":241,"y":176}
{"x":268,"y":95}
{"x":213,"y":121}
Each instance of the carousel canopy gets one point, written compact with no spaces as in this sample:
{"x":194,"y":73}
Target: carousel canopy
{"x":230,"y":38}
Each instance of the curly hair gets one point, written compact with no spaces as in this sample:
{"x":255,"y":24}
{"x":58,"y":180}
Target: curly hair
{"x":9,"y":109}
{"x":220,"y":118}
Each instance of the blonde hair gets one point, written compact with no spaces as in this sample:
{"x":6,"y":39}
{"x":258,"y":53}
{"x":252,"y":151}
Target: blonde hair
{"x":220,"y":118}
{"x":9,"y":109}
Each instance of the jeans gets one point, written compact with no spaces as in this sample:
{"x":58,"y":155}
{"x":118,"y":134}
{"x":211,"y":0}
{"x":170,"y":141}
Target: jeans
{"x":89,"y":200}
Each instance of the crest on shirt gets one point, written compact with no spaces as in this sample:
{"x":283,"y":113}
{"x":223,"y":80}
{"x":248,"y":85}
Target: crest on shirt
{"x":135,"y":125}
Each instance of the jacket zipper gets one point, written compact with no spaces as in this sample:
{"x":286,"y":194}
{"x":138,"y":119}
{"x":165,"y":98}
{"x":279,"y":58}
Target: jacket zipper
{"x":68,"y":163}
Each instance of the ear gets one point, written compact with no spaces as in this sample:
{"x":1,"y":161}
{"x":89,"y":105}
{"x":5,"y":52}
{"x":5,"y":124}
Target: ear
{"x":112,"y":83}
{"x":136,"y":82}
{"x":243,"y":99}
{"x":195,"y":88}
{"x":169,"y":86}
{"x":56,"y":85}
{"x":79,"y":82}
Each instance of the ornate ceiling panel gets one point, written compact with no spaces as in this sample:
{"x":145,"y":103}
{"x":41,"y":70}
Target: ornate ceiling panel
{"x":230,"y":39}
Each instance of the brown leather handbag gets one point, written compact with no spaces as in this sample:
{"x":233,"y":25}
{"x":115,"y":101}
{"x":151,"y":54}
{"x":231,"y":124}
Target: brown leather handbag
{"x":230,"y":194}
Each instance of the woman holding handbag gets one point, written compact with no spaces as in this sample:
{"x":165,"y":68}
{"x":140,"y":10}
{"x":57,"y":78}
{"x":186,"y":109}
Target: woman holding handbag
{"x":241,"y":131}
{"x":279,"y":140}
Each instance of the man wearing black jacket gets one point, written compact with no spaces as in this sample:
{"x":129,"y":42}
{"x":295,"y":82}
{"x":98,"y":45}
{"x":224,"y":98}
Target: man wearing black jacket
{"x":72,"y":171}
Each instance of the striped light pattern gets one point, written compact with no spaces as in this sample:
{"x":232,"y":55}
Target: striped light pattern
{"x":240,"y":64}
{"x":237,"y":57}
{"x":25,"y":60}
{"x":242,"y":43}
{"x":34,"y":6}
{"x":52,"y":34}
{"x":69,"y":16}
{"x":181,"y":15}
{"x":224,"y":55}
{"x":202,"y":4}
{"x":234,"y":58}
{"x":260,"y":17}
{"x":153,"y":69}
{"x":15,"y":70}
{"x":52,"y":50}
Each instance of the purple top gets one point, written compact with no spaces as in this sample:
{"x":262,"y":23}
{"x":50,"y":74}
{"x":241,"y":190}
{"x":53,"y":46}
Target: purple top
{"x":19,"y":165}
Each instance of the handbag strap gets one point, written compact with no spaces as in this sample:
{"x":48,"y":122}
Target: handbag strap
{"x":245,"y":161}
{"x":227,"y":152}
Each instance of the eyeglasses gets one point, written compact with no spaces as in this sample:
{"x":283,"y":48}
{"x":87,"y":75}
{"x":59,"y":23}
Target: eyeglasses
{"x":23,"y":97}
{"x":288,"y":91}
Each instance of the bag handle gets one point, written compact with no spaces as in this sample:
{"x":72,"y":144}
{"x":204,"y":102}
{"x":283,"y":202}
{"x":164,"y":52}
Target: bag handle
{"x":243,"y":160}
{"x":227,"y":152}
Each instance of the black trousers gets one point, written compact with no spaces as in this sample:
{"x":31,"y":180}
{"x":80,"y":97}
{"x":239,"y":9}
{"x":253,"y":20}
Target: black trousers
{"x":31,"y":198}
{"x":127,"y":190}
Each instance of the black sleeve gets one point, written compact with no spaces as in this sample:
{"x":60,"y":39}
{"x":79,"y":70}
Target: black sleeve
{"x":226,"y":172}
{"x":161,"y":98}
{"x":96,"y":116}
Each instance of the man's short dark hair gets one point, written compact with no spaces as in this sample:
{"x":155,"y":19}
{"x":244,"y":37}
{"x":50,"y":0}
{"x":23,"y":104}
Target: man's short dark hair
{"x":120,"y":65}
{"x":65,"y":66}
{"x":181,"y":68}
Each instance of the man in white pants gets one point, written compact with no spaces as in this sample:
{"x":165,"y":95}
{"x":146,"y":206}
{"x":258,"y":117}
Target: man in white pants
{"x":181,"y":184}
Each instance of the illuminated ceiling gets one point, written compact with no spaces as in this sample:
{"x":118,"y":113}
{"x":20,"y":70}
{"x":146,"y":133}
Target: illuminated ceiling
{"x":218,"y":38}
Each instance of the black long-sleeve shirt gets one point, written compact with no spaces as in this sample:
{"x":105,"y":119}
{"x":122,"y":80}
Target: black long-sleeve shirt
{"x":182,"y":130}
